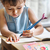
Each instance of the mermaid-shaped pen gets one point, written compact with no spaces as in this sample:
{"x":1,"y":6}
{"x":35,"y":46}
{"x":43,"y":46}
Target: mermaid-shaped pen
{"x":30,"y":27}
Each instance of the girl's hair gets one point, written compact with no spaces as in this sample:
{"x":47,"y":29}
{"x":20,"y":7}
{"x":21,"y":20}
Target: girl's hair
{"x":12,"y":2}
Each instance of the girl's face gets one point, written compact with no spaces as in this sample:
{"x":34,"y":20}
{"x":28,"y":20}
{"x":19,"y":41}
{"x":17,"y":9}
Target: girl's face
{"x":14,"y":11}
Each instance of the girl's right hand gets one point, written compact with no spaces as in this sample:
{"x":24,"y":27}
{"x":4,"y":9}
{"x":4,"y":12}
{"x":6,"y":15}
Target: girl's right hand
{"x":13,"y":37}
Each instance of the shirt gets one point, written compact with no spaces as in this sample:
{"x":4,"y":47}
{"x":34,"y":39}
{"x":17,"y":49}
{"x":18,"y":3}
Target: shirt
{"x":18,"y":24}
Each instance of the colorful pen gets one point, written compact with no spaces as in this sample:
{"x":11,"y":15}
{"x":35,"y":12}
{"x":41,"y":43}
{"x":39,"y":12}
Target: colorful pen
{"x":30,"y":27}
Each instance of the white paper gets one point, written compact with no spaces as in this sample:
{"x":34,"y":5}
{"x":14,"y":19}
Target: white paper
{"x":44,"y":35}
{"x":24,"y":39}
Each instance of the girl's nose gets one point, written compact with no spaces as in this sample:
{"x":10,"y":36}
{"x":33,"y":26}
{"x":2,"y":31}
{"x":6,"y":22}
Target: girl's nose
{"x":15,"y":12}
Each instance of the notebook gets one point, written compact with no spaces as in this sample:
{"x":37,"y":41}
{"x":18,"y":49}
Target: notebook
{"x":23,"y":39}
{"x":44,"y":36}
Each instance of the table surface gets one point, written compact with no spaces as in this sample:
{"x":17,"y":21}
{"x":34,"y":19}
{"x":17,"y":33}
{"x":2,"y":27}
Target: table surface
{"x":19,"y":46}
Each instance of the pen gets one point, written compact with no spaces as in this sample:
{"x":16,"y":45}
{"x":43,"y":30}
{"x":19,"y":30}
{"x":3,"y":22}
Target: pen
{"x":30,"y":27}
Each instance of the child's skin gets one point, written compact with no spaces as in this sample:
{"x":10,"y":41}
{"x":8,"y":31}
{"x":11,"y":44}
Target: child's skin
{"x":16,"y":11}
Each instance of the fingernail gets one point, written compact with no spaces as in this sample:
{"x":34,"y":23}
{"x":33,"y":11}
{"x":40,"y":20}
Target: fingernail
{"x":15,"y":41}
{"x":10,"y":41}
{"x":18,"y":39}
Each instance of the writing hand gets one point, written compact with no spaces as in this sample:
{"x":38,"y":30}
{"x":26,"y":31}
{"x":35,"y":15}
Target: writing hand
{"x":27,"y":33}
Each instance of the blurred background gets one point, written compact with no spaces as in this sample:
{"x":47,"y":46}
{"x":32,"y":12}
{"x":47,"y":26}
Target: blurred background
{"x":39,"y":7}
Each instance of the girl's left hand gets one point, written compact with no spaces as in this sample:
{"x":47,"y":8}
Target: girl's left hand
{"x":27,"y":33}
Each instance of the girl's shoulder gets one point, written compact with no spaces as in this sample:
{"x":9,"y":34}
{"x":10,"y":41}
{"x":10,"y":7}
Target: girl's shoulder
{"x":1,"y":11}
{"x":2,"y":14}
{"x":30,"y":12}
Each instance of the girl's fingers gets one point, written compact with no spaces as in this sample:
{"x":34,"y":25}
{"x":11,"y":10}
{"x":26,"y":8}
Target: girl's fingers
{"x":28,"y":34}
{"x":7,"y":39}
{"x":10,"y":39}
{"x":28,"y":31}
{"x":24,"y":34}
{"x":17,"y":39}
{"x":31,"y":34}
{"x":14,"y":38}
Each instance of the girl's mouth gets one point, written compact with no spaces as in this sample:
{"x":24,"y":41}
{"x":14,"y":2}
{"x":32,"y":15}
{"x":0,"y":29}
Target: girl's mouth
{"x":14,"y":15}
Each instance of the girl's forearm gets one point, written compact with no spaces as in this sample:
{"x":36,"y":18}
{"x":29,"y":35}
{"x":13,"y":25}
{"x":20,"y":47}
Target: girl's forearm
{"x":38,"y":31}
{"x":6,"y":33}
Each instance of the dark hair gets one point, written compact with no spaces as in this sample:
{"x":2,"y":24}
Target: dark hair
{"x":12,"y":2}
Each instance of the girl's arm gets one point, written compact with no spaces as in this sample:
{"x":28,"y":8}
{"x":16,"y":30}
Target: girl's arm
{"x":38,"y":28}
{"x":4,"y":29}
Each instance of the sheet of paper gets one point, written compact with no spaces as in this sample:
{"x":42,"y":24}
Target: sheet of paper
{"x":23,"y":39}
{"x":45,"y":34}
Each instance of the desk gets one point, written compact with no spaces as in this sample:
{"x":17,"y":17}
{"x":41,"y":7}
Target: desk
{"x":16,"y":46}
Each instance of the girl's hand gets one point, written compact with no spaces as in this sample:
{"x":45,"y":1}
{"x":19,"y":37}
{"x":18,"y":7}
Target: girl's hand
{"x":13,"y":37}
{"x":27,"y":33}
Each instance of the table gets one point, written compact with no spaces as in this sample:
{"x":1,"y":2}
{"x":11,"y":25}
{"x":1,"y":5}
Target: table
{"x":16,"y":46}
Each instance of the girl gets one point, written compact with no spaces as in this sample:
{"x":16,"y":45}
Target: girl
{"x":15,"y":18}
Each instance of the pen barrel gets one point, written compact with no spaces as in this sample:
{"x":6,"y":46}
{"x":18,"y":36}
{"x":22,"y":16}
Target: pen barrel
{"x":34,"y":24}
{"x":30,"y":27}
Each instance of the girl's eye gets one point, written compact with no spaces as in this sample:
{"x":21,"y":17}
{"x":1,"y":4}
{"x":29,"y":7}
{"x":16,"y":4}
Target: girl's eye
{"x":9,"y":9}
{"x":18,"y":8}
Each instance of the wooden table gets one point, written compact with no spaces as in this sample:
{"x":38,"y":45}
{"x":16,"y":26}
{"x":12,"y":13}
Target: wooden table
{"x":16,"y":46}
